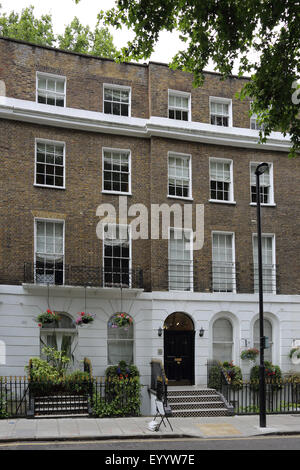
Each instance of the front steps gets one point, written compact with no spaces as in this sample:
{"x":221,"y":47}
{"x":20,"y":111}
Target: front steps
{"x":61,"y":406}
{"x":192,"y":401}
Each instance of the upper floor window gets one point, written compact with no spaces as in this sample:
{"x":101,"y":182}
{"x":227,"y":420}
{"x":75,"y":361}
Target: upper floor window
{"x":116,"y":100}
{"x":265,"y":184}
{"x":268,"y":263}
{"x":49,"y":251}
{"x":221,"y":180}
{"x":179,"y":105}
{"x":116,"y":170}
{"x":117,"y":256}
{"x":223,"y":262}
{"x":180,"y":263}
{"x":50,"y":164}
{"x":220,"y":111}
{"x":51,"y":89}
{"x":254,"y":123}
{"x":179,"y":175}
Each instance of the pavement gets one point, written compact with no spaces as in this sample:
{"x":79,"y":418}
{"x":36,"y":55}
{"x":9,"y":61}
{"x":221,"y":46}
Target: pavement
{"x":46,"y":429}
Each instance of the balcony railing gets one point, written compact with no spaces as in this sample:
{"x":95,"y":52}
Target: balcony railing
{"x":269,"y":278}
{"x":223,"y":276}
{"x":184,"y":276}
{"x":93,"y":276}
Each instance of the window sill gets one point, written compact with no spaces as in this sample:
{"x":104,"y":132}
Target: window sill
{"x":271,"y":204}
{"x":48,"y":186}
{"x":118,"y":193}
{"x":181,"y":198}
{"x":222,"y":202}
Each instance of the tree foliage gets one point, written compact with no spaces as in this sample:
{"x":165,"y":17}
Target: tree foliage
{"x":26,"y":27}
{"x":227,"y":32}
{"x":76,"y":37}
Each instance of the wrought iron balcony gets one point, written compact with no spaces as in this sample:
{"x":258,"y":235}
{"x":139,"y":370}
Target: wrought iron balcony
{"x":93,"y":276}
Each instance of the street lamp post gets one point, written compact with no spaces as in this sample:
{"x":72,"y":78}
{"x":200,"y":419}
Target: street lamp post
{"x":262,"y":389}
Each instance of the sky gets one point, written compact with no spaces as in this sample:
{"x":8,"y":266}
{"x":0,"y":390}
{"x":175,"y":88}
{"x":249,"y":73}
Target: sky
{"x":63,"y":11}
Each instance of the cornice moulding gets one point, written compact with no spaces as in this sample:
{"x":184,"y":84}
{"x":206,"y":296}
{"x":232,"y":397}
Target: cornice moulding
{"x":91,"y":121}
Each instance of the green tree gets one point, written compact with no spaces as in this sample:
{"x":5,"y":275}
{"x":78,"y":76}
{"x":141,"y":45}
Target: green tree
{"x":79,"y":38}
{"x":26,"y":27}
{"x":227,"y":31}
{"x":76,"y":37}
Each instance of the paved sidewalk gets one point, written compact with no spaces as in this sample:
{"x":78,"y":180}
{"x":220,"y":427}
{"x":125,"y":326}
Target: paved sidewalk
{"x":129,"y":428}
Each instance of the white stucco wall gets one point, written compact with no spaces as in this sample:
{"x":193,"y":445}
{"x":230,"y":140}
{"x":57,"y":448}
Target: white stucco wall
{"x":21,"y":335}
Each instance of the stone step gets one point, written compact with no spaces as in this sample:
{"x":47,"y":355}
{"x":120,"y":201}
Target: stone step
{"x":196,"y":406}
{"x":62,"y":415}
{"x":189,"y":402}
{"x":200,"y":412}
{"x":191,"y":392}
{"x":193,"y":398}
{"x":61,"y":405}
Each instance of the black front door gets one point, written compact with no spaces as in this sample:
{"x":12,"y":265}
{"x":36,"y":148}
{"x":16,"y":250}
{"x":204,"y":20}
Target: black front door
{"x":179,"y":357}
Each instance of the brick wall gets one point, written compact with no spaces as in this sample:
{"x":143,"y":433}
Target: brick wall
{"x":21,"y":201}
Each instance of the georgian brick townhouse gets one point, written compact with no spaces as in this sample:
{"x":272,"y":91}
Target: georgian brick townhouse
{"x":78,"y":132}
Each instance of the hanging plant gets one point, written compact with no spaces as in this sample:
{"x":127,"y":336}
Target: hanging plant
{"x":84,"y":318}
{"x":121,"y":320}
{"x":250,"y":354}
{"x":47,"y":317}
{"x":295,"y":352}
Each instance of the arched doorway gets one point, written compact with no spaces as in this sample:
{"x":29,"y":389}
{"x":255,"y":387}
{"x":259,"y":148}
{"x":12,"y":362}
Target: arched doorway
{"x":179,"y":347}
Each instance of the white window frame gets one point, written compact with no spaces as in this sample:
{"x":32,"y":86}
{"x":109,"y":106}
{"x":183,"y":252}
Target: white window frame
{"x":253,"y":118}
{"x":191,"y":271}
{"x":118,"y":87}
{"x":231,"y":186}
{"x":255,"y":262}
{"x":182,"y":94}
{"x":42,"y":219}
{"x":232,"y":234}
{"x":50,"y":142}
{"x":117,"y":150}
{"x":218,"y":99}
{"x":271,"y":193}
{"x":128,"y":228}
{"x":111,"y":340}
{"x":52,"y":77}
{"x":182,"y":156}
{"x":59,"y":334}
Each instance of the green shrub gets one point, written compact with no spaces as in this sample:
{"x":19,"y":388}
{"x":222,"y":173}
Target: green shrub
{"x":3,"y":412}
{"x":122,"y":398}
{"x":273,"y":376}
{"x":122,"y":370}
{"x":234,"y":375}
{"x":122,"y":392}
{"x":214,"y":378}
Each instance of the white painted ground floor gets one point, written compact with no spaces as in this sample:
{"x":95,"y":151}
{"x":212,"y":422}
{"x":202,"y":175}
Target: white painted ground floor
{"x":165,"y":326}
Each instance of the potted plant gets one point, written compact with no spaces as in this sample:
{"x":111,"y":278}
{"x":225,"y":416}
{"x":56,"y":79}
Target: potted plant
{"x":294,"y":355}
{"x":84,"y":318}
{"x":47,"y":317}
{"x":250,"y":354}
{"x":121,"y":320}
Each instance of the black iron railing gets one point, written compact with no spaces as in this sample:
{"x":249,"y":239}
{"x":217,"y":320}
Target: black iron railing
{"x":282,"y":396}
{"x":94,"y":276}
{"x":21,"y":397}
{"x":176,"y":275}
